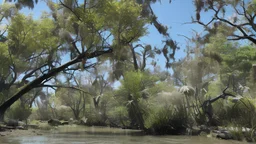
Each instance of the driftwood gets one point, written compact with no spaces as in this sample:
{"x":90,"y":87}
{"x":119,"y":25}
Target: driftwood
{"x":207,"y":105}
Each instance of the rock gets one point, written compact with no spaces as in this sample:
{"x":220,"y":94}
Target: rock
{"x":1,"y":134}
{"x":20,"y":123}
{"x":71,"y":121}
{"x":193,"y":131}
{"x":54,"y":122}
{"x":203,"y":133}
{"x":20,"y":127}
{"x":12,"y":123}
{"x":224,"y":135}
{"x":204,"y":129}
{"x":65,"y":123}
{"x":76,"y":122}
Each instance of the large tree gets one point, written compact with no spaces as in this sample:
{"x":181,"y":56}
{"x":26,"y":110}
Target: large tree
{"x":67,"y":39}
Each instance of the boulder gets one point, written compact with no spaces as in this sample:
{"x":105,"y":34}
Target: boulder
{"x":20,"y":123}
{"x":12,"y":123}
{"x":54,"y":122}
{"x":76,"y":122}
{"x":222,"y":134}
{"x":193,"y":131}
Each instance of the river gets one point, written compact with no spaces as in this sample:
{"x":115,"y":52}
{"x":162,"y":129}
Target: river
{"x":97,"y":135}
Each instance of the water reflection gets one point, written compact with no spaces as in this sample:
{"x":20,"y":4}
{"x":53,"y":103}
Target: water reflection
{"x":95,"y":135}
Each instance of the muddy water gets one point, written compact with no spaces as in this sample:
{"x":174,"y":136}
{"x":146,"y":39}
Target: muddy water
{"x":96,"y":135}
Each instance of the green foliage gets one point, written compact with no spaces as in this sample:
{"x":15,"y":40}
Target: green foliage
{"x":4,"y":59}
{"x":19,"y":111}
{"x":214,"y":89}
{"x":168,"y":117}
{"x":237,"y":134}
{"x":63,"y":113}
{"x":134,"y":82}
{"x":119,"y":116}
{"x":28,"y":36}
{"x":73,"y":99}
{"x":243,"y":112}
{"x":124,"y":17}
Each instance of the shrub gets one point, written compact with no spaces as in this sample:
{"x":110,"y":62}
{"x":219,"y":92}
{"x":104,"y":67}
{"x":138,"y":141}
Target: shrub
{"x":243,"y":113}
{"x":19,"y":111}
{"x":168,"y":118}
{"x":237,"y":134}
{"x":119,"y":116}
{"x":63,"y":113}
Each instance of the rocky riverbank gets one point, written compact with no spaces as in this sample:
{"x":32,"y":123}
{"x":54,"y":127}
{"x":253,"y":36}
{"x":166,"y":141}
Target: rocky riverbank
{"x":226,"y":133}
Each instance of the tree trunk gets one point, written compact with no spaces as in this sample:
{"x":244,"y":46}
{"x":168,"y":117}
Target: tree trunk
{"x":76,"y":114}
{"x":35,"y":83}
{"x":2,"y":111}
{"x":135,"y":64}
{"x":135,"y":114}
{"x":254,"y":72}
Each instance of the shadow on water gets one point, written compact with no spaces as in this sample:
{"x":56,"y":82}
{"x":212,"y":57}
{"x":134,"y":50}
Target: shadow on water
{"x":97,"y":135}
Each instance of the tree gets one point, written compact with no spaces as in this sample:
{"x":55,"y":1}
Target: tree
{"x":39,"y":44}
{"x":241,"y":24}
{"x":72,"y":99}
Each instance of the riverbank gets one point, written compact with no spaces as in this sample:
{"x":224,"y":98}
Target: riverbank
{"x":42,"y":127}
{"x":82,"y":134}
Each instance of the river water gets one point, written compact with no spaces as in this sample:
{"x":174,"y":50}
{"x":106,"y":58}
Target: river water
{"x":96,"y":135}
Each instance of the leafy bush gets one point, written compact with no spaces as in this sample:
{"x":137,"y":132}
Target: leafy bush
{"x":63,"y":113}
{"x":119,"y":116}
{"x":19,"y":111}
{"x":167,"y":120}
{"x":44,"y":113}
{"x":170,"y":117}
{"x":237,"y":134}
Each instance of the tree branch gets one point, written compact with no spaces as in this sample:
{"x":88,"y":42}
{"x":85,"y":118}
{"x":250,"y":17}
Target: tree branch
{"x":63,"y":86}
{"x":70,"y":10}
{"x":37,"y":82}
{"x":28,"y":75}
